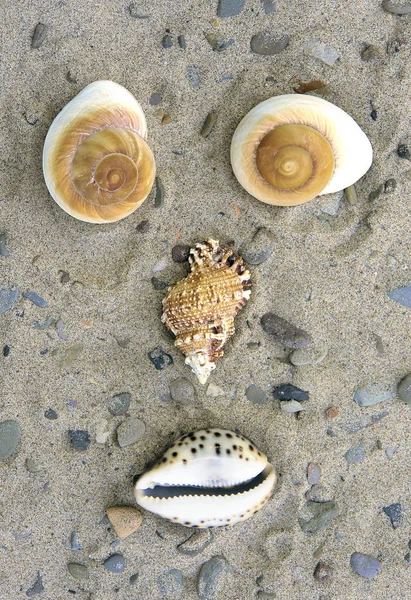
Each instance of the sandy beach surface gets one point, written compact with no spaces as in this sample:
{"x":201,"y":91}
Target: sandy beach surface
{"x":332,"y":266}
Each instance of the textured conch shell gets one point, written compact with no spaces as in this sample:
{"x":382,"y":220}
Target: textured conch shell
{"x":200,"y":309}
{"x":291,"y":148}
{"x":208,"y":478}
{"x":96,"y":163}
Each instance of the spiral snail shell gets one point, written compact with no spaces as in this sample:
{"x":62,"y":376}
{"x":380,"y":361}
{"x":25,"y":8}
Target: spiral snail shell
{"x":290,"y":149}
{"x":96,"y":162}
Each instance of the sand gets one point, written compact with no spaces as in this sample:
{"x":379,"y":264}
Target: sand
{"x":328,"y":275}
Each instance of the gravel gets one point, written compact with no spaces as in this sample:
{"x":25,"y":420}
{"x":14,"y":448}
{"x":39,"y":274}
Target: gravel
{"x":3,"y":248}
{"x":355,"y":454}
{"x":79,"y":439}
{"x":51,"y":414}
{"x":284,"y":332}
{"x":394,"y":513}
{"x":182,"y":391}
{"x":327,"y":54}
{"x":115,"y":563}
{"x":260,"y":248}
{"x":287,"y":391}
{"x":229,"y":8}
{"x":402,"y":295}
{"x":180,"y":253}
{"x":130,"y":432}
{"x":160,"y":359}
{"x":37,"y":587}
{"x":209,"y":576}
{"x":39,"y":35}
{"x":373,"y":393}
{"x":209,"y":123}
{"x":8,"y":297}
{"x":267,"y":44}
{"x":313,"y":355}
{"x":323,"y":514}
{"x":291,"y":406}
{"x":74,"y":543}
{"x":119,"y":404}
{"x":35,"y":299}
{"x":10,"y":436}
{"x":160,"y":193}
{"x":365,"y":565}
{"x":313,"y":474}
{"x":78,"y":571}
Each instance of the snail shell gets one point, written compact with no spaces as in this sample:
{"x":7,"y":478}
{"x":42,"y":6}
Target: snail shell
{"x":291,"y":148}
{"x":96,"y":163}
{"x":207,"y":478}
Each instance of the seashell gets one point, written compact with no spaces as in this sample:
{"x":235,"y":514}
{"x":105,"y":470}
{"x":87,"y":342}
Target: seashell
{"x":208,"y":478}
{"x":291,"y":148}
{"x":201,"y":308}
{"x":96,"y":162}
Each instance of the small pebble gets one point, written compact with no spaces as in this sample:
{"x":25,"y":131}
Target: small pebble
{"x":143,"y":226}
{"x":134,"y":11}
{"x":265,"y":595}
{"x":374,"y":195}
{"x":373,"y":393}
{"x":403,"y":151}
{"x":6,"y":351}
{"x":119,"y":404}
{"x":394,"y":513}
{"x":291,"y":406}
{"x":284,"y":332}
{"x":34,"y":466}
{"x":313,"y":474}
{"x":323,"y":513}
{"x":209,"y":576}
{"x":3,"y":250}
{"x":313,"y":355}
{"x":351,"y":195}
{"x":35,"y":298}
{"x":37,"y":587}
{"x":160,"y":193}
{"x":160,"y":359}
{"x":229,"y":8}
{"x":170,"y":584}
{"x":389,"y":452}
{"x":182,"y":391}
{"x":332,"y":413}
{"x":125,"y":520}
{"x":390,"y":186}
{"x":102,"y":432}
{"x":322,"y":571}
{"x":78,"y":571}
{"x":80,"y":439}
{"x":167,"y":41}
{"x":214,"y":391}
{"x":196,"y":543}
{"x":180,"y":253}
{"x":160,"y":265}
{"x":60,"y":330}
{"x":39,"y":35}
{"x":209,"y":124}
{"x":309,"y":86}
{"x":74,"y":543}
{"x":51,"y":414}
{"x":10,"y":436}
{"x":327,"y":54}
{"x":193,"y":75}
{"x":260,"y":247}
{"x":332,"y":205}
{"x":115,"y":563}
{"x":402,"y":295}
{"x":365,"y":565}
{"x":255,"y":394}
{"x":182,"y":42}
{"x":218,"y":44}
{"x":373,"y":115}
{"x":266,"y":44}
{"x":404,"y":389}
{"x":370,"y":53}
{"x":269,"y":6}
{"x":396,"y":8}
{"x":130,"y":432}
{"x":155,"y":99}
{"x":8,"y":297}
{"x":134,"y":579}
{"x":287,"y":391}
{"x":355,"y":454}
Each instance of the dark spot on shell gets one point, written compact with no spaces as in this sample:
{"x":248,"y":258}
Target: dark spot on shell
{"x":251,"y":447}
{"x":242,"y":516}
{"x":175,"y":454}
{"x":164,"y":460}
{"x":217,"y":434}
{"x":187,"y":523}
{"x":201,"y":446}
{"x":247,"y":458}
{"x":208,"y":431}
{"x":218,"y":450}
{"x":259,"y":454}
{"x":202,"y":437}
{"x":180,"y":444}
{"x":202,"y":521}
{"x":184,"y":461}
{"x":193,"y":438}
{"x":193,"y":450}
{"x":241,"y":456}
{"x":228,"y":435}
{"x":228,"y":451}
{"x":234,"y":447}
{"x":240,"y":448}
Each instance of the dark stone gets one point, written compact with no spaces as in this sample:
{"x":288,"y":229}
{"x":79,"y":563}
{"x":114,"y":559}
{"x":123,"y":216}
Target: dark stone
{"x":51,"y":414}
{"x":159,"y":285}
{"x":160,"y":359}
{"x":266,"y":44}
{"x":167,"y":41}
{"x":218,"y":44}
{"x":155,"y":99}
{"x":8,"y":297}
{"x":208,"y":578}
{"x":196,"y":543}
{"x":119,"y":404}
{"x":180,"y":253}
{"x":182,"y":42}
{"x":390,"y":186}
{"x":209,"y":123}
{"x":403,"y":151}
{"x":144,"y":226}
{"x":170,"y":584}
{"x":323,"y":513}
{"x":80,"y":439}
{"x":74,"y":543}
{"x":134,"y":579}
{"x":365,"y":565}
{"x":39,"y":35}
{"x":37,"y":587}
{"x":404,"y":389}
{"x":376,"y":193}
{"x":229,"y":8}
{"x":35,"y":298}
{"x":115,"y":563}
{"x":402,"y":295}
{"x":287,"y":391}
{"x":285,"y":333}
{"x":373,"y":115}
{"x":160,"y":193}
{"x":6,"y":350}
{"x":394,"y":513}
{"x":322,"y":571}
{"x":3,"y":250}
{"x":355,"y":454}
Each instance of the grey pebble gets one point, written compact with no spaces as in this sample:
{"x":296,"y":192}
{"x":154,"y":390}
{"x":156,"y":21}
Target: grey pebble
{"x":266,"y":44}
{"x":155,"y":99}
{"x":316,"y":492}
{"x":8,"y":297}
{"x":48,"y":322}
{"x":115,"y":563}
{"x":134,"y":11}
{"x":351,"y":195}
{"x":259,"y":248}
{"x":180,"y":253}
{"x":396,"y":8}
{"x":51,"y":414}
{"x":60,"y":330}
{"x":375,"y":194}
{"x":373,"y":393}
{"x":209,"y":123}
{"x":402,"y":295}
{"x":404,"y":389}
{"x":193,"y":75}
{"x":23,"y":535}
{"x":313,"y":355}
{"x":34,"y":466}
{"x":284,"y":332}
{"x":323,"y":513}
{"x":182,"y":391}
{"x":35,"y":298}
{"x":291,"y":406}
{"x":288,"y":391}
{"x":322,"y":571}
{"x":37,"y":586}
{"x":170,"y":584}
{"x":167,"y":41}
{"x":119,"y":404}
{"x":389,"y":451}
{"x":313,"y":474}
{"x":10,"y":436}
{"x":333,"y":204}
{"x":160,"y":359}
{"x":327,"y":54}
{"x":74,"y":543}
{"x":390,"y":186}
{"x":134,"y":578}
{"x":370,"y":53}
{"x":182,"y":42}
{"x":217,"y":43}
{"x":160,"y":193}
{"x":79,"y":439}
{"x":229,"y":8}
{"x":130,"y":432}
{"x":3,"y":249}
{"x":269,"y":6}
{"x":255,"y":394}
{"x":39,"y":35}
{"x":365,"y":565}
{"x":265,"y":595}
{"x":144,"y":226}
{"x":78,"y":571}
{"x":196,"y":543}
{"x":394,"y":513}
{"x":209,"y":576}
{"x":355,"y":454}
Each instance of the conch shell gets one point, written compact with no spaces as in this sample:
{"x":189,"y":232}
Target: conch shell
{"x":200,"y":309}
{"x":207,"y":478}
{"x":291,"y":148}
{"x":96,"y":162}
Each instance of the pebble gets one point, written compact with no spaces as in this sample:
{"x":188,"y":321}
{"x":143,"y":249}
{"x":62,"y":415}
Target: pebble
{"x":255,"y":394}
{"x":403,"y":151}
{"x":74,"y":543}
{"x":291,"y":406}
{"x":10,"y":436}
{"x":260,"y":248}
{"x":167,"y":41}
{"x":214,"y":391}
{"x":3,"y":249}
{"x":8,"y":297}
{"x":209,"y":123}
{"x":389,"y":451}
{"x":355,"y":454}
{"x":323,"y":513}
{"x":266,"y":44}
{"x":60,"y":330}
{"x":309,"y":86}
{"x":134,"y":579}
{"x":316,"y":492}
{"x":218,"y":44}
{"x":327,"y":54}
{"x":333,"y":204}
{"x":373,"y":393}
{"x":80,"y":439}
{"x":394,"y":513}
{"x":37,"y":587}
{"x":196,"y":543}
{"x":182,"y":391}
{"x":375,"y":194}
{"x":313,"y":355}
{"x":130,"y":432}
{"x":155,"y":99}
{"x":160,"y":193}
{"x":182,"y":42}
{"x":170,"y":584}
{"x":160,"y":359}
{"x":125,"y":520}
{"x":402,"y":295}
{"x":404,"y":389}
{"x":351,"y":195}
{"x":209,"y":576}
{"x":365,"y":565}
{"x":6,"y":350}
{"x":51,"y":414}
{"x":77,"y":570}
{"x":34,"y":466}
{"x":313,"y":474}
{"x":396,"y":8}
{"x":102,"y":432}
{"x":332,"y":412}
{"x":269,"y":6}
{"x":39,"y":35}
{"x":287,"y":391}
{"x":193,"y":75}
{"x":70,"y":355}
{"x":35,"y":299}
{"x":370,"y":53}
{"x":322,"y":571}
{"x":284,"y":332}
{"x":134,"y":11}
{"x":115,"y":563}
{"x":143,"y":226}
{"x":390,"y":186}
{"x":265,"y":595}
{"x":229,"y":8}
{"x":119,"y":404}
{"x":180,"y":253}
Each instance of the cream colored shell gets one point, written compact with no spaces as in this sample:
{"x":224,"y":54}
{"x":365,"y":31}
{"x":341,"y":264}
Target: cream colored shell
{"x":96,"y":162}
{"x":351,"y":149}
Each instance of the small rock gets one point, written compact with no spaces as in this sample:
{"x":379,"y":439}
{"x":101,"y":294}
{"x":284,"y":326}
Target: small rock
{"x":214,"y":391}
{"x":313,"y":474}
{"x":60,"y":330}
{"x":51,"y":414}
{"x":323,"y":513}
{"x":209,"y":576}
{"x":160,"y":265}
{"x":209,"y":123}
{"x":182,"y":391}
{"x":160,"y":359}
{"x":255,"y":395}
{"x":167,"y":41}
{"x":332,"y":412}
{"x":265,"y":595}
{"x":6,"y":350}
{"x":35,"y":298}
{"x":170,"y":584}
{"x":402,"y":295}
{"x":159,"y":285}
{"x":102,"y":432}
{"x":333,"y":204}
{"x":180,"y":253}
{"x":266,"y":44}
{"x":78,"y":571}
{"x":370,"y":53}
{"x":374,"y":195}
{"x":70,"y":355}
{"x":8,"y":297}
{"x":365,"y":565}
{"x":355,"y":454}
{"x":3,"y":249}
{"x":74,"y":543}
{"x":229,"y":8}
{"x":34,"y":466}
{"x":10,"y":436}
{"x":390,"y":186}
{"x":160,"y":193}
{"x":373,"y":393}
{"x":404,"y":389}
{"x":119,"y":404}
{"x":143,"y":226}
{"x":130,"y":432}
{"x":291,"y":406}
{"x":317,"y":493}
{"x":37,"y":587}
{"x":193,"y":75}
{"x":260,"y":248}
{"x":322,"y":571}
{"x":389,"y":452}
{"x":80,"y":439}
{"x":39,"y":35}
{"x":134,"y":579}
{"x":182,"y":42}
{"x":403,"y":151}
{"x":155,"y":99}
{"x":284,"y":332}
{"x":218,"y":44}
{"x":394,"y":513}
{"x":313,"y":355}
{"x":287,"y":391}
{"x":327,"y":54}
{"x":351,"y":195}
{"x":135,"y":13}
{"x":125,"y":520}
{"x":115,"y":563}
{"x":269,"y":6}
{"x":196,"y":543}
